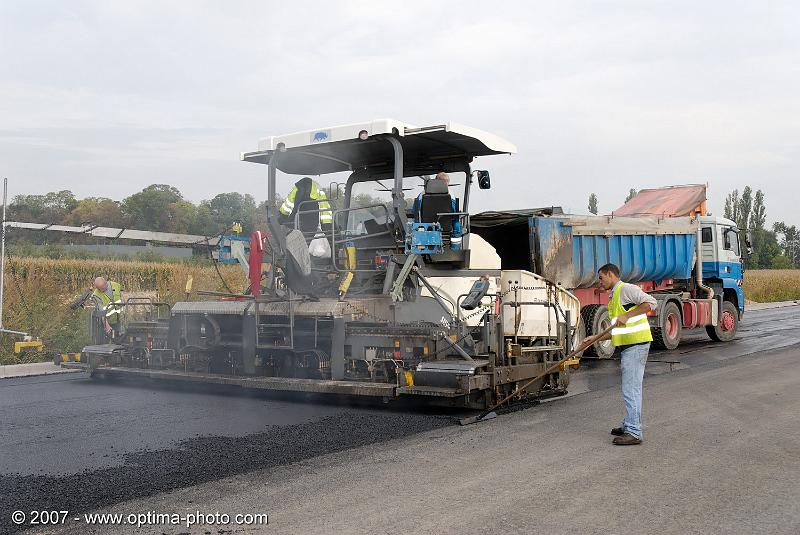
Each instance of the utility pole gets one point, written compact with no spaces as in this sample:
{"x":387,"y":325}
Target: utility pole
{"x":3,"y":249}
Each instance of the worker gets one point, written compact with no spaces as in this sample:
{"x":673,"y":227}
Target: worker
{"x":630,"y":332}
{"x":107,"y":296}
{"x":307,"y":189}
{"x":417,"y":207}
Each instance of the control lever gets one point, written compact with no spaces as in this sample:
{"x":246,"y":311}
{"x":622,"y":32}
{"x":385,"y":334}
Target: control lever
{"x":478,"y":291}
{"x":81,"y":300}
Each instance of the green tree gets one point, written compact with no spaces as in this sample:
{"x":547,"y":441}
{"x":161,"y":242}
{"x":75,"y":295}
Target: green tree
{"x":732,"y":205}
{"x":593,"y":204}
{"x":182,"y":217}
{"x":765,"y":249}
{"x":758,"y":217}
{"x":764,"y":243}
{"x":204,"y":222}
{"x":97,"y":211}
{"x":52,"y":207}
{"x":227,"y":208}
{"x":781,"y":262}
{"x":789,"y":241}
{"x":750,"y":214}
{"x":149,"y":209}
{"x":631,"y":195}
{"x":745,"y":207}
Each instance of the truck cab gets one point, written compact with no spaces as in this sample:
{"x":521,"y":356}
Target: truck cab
{"x":723,"y":265}
{"x":723,"y":262}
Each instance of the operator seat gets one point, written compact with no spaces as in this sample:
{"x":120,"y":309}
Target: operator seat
{"x":437,"y":200}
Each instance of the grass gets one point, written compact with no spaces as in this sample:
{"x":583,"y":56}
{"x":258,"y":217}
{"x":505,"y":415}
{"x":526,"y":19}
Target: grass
{"x":48,"y":286}
{"x":770,"y":285}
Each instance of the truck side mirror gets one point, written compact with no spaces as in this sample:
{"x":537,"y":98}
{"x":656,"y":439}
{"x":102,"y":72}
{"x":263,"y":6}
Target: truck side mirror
{"x":484,"y":182}
{"x":748,"y":241}
{"x":333,"y":190}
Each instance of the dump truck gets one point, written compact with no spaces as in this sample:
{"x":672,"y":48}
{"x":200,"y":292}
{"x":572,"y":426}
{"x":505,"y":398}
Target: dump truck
{"x":407,"y":305}
{"x":692,"y":265}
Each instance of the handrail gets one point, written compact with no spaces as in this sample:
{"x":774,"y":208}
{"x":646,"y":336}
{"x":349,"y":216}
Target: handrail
{"x":334,"y":241}
{"x":155,"y":306}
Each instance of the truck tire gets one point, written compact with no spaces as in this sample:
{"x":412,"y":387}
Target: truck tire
{"x":728,"y":324}
{"x":668,"y":334}
{"x":596,"y":320}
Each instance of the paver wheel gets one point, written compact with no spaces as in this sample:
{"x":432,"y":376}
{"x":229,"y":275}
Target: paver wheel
{"x":668,"y":334}
{"x":725,"y":331}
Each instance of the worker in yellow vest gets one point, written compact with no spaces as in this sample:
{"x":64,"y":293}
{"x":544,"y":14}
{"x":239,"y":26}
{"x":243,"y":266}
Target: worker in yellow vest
{"x":628,"y":310}
{"x":107,"y":297}
{"x":307,"y":189}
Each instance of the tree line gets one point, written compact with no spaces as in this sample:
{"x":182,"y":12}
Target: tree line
{"x":161,"y":207}
{"x":777,"y":247}
{"x":158,"y":207}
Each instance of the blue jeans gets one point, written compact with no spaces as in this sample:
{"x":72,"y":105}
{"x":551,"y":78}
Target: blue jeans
{"x":633,"y":360}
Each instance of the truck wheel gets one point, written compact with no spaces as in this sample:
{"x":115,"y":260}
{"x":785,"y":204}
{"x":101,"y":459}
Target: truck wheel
{"x":668,"y":334}
{"x":596,"y":320}
{"x":728,"y":324}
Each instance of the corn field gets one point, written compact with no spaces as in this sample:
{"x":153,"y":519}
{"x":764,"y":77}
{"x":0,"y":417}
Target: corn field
{"x":771,"y":285}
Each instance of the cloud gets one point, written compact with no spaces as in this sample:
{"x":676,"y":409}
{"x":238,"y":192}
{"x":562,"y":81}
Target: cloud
{"x":598,"y":97}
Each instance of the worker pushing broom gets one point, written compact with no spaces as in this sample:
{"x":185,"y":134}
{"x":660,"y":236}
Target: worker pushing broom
{"x":630,"y":332}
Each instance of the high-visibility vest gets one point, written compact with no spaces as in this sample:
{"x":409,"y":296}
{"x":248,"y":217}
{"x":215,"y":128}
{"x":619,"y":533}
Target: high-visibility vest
{"x":635,"y":331}
{"x":317,"y":194}
{"x":111,"y":306}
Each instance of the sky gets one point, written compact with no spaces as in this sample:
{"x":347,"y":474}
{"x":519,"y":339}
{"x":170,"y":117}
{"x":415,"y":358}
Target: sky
{"x":105,"y":98}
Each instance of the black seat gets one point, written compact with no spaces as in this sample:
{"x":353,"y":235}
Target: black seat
{"x":309,"y":220}
{"x":436,"y":200}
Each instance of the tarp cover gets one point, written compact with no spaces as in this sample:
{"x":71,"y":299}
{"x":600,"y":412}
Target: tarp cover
{"x":605,"y":225}
{"x":670,"y":201}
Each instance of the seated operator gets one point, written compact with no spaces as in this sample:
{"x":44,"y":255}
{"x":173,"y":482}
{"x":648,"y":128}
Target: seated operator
{"x":441,"y":175}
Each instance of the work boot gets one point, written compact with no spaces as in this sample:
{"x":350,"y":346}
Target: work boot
{"x":626,"y":440}
{"x":618,"y":431}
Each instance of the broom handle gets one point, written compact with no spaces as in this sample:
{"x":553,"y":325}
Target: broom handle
{"x":546,"y":372}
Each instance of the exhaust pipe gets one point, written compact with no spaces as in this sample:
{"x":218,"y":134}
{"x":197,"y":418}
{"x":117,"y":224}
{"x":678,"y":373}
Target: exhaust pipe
{"x":698,"y":270}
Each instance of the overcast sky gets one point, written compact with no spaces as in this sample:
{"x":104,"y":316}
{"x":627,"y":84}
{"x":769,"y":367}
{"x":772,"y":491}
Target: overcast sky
{"x":105,"y":98}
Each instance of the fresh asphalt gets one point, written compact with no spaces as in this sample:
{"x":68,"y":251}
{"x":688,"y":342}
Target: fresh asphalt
{"x":71,"y":443}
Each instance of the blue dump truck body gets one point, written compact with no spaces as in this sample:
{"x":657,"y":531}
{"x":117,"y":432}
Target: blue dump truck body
{"x":570,"y":249}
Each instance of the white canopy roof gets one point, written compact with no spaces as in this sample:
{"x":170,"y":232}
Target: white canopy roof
{"x":339,"y":148}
